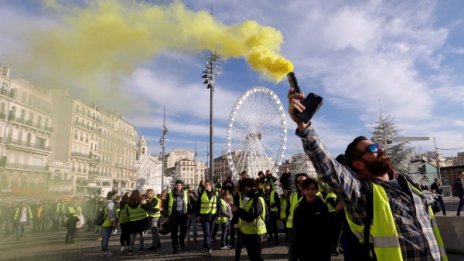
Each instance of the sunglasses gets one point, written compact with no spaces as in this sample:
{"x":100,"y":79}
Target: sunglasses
{"x":371,"y":148}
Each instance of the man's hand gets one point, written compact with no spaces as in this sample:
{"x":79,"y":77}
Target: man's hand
{"x":294,"y":106}
{"x":234,"y":208}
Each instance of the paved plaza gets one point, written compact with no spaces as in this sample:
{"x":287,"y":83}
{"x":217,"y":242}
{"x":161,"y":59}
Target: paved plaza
{"x":49,"y":245}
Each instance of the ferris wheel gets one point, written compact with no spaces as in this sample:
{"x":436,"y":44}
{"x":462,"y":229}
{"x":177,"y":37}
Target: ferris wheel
{"x":256,"y":133}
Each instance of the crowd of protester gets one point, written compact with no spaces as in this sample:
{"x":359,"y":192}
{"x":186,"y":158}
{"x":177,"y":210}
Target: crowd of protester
{"x":311,"y":217}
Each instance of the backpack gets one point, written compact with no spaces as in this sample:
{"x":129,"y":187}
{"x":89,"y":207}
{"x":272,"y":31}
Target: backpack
{"x":100,"y":217}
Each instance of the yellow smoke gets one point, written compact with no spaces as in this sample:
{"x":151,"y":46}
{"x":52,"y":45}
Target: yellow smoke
{"x":113,"y":37}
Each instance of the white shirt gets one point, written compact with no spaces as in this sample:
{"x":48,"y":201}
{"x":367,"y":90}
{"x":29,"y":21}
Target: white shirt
{"x":23,"y":215}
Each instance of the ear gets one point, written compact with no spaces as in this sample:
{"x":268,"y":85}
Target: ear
{"x":358,"y":165}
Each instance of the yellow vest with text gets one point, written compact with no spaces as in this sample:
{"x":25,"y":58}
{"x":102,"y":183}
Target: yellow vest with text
{"x":293,"y":201}
{"x":383,"y":229}
{"x":171,"y":202}
{"x":208,"y":205}
{"x":257,"y":226}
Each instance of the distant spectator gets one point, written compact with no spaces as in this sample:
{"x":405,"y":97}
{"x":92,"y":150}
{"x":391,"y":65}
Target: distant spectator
{"x":228,"y":185}
{"x":285,"y":179}
{"x":436,"y":188}
{"x":459,"y":188}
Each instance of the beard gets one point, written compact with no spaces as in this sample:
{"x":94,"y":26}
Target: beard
{"x":381,"y":165}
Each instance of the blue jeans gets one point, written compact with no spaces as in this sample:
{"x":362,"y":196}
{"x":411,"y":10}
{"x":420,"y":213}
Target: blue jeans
{"x":225,"y":233}
{"x":192,"y":224}
{"x":106,"y":233}
{"x":208,"y":227}
{"x":20,"y":230}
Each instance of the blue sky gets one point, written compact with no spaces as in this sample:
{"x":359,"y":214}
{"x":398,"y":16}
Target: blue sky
{"x":404,"y":55}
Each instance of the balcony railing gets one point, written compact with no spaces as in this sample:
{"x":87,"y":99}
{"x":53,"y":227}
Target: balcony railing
{"x":9,"y":93}
{"x":27,"y":144}
{"x":12,"y":165}
{"x":30,"y":123}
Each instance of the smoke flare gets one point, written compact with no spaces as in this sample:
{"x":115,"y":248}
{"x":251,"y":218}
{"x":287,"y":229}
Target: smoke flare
{"x":105,"y":38}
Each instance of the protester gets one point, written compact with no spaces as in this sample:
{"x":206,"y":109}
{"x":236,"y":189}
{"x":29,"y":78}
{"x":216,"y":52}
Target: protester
{"x":109,"y":223}
{"x":438,"y":191}
{"x":124,"y":220}
{"x":284,"y":202}
{"x":253,"y":217}
{"x":285,"y":179}
{"x":138,"y":219}
{"x":223,"y":220}
{"x":22,"y":216}
{"x":176,"y":208}
{"x":228,"y":184}
{"x":294,"y":198}
{"x":311,"y":225}
{"x":208,"y":205}
{"x":192,"y":218}
{"x":72,"y":213}
{"x":378,"y":199}
{"x":153,"y":209}
{"x":273,"y":205}
{"x":459,"y":188}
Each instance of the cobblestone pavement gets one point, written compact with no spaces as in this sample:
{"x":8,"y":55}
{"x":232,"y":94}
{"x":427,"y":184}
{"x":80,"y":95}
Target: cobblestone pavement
{"x":49,"y":246}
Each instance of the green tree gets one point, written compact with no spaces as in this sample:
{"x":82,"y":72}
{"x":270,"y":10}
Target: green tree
{"x":384,"y":133}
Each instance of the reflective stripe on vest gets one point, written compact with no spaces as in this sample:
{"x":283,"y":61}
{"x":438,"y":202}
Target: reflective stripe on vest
{"x":329,"y":206}
{"x":257,"y":226}
{"x":383,"y":232}
{"x":137,"y":213}
{"x":171,"y":202}
{"x":272,"y":201}
{"x":208,"y":205}
{"x":293,"y":201}
{"x":437,"y":234}
{"x":155,"y":214}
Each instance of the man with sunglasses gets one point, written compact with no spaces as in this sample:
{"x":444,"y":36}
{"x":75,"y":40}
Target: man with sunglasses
{"x":382,"y":206}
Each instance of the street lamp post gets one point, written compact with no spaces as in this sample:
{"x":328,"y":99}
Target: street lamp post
{"x":162,"y":140}
{"x":209,"y":76}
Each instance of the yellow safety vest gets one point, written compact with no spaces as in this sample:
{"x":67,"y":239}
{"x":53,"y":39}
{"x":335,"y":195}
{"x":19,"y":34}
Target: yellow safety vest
{"x":155,"y":214}
{"x":29,"y":214}
{"x":329,"y":206}
{"x":293,"y":201}
{"x":208,"y":205}
{"x":137,"y":213}
{"x":383,"y":229}
{"x":283,"y":208}
{"x":272,"y":201}
{"x":107,"y":221}
{"x":171,"y":202}
{"x":124,"y":215}
{"x":222,"y":219}
{"x":257,"y":226}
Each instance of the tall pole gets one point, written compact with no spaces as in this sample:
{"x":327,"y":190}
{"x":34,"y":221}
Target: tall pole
{"x":211,"y":93}
{"x":164,"y":131}
{"x":437,"y":159}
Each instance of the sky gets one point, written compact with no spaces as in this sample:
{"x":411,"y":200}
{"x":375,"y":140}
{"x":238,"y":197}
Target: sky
{"x":401,"y":59}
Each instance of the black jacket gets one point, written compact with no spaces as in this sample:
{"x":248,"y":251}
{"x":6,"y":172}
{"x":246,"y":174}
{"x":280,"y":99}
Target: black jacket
{"x":458,"y":187}
{"x":310,"y":230}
